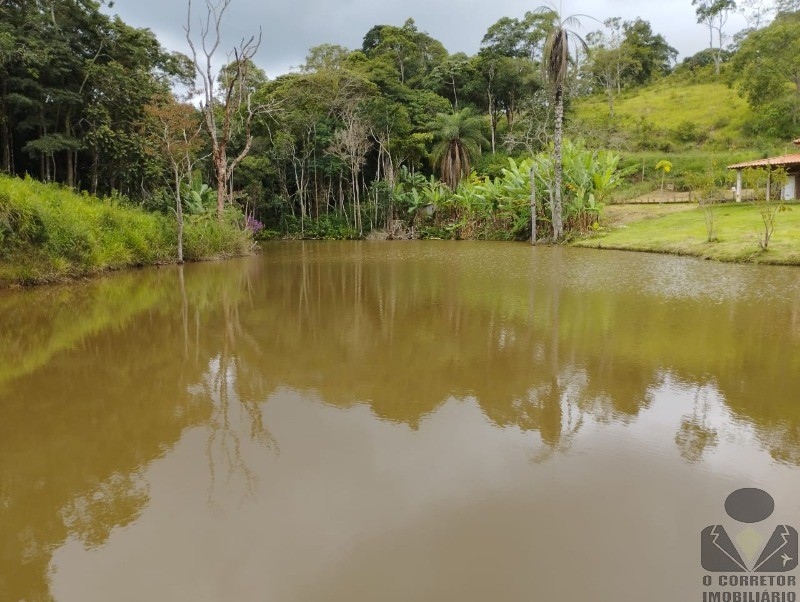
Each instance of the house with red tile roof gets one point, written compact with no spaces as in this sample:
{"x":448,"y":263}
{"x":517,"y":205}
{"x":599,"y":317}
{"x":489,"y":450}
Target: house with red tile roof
{"x":790,"y":162}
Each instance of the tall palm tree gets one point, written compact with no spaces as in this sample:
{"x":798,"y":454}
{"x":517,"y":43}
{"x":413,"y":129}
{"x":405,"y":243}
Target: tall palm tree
{"x":460,"y":137}
{"x":555,"y":67}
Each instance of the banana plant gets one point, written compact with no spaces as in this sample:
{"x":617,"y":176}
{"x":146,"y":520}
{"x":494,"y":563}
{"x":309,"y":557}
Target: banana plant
{"x":198,"y":198}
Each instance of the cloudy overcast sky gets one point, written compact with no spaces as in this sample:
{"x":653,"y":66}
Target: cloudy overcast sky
{"x":290,"y":27}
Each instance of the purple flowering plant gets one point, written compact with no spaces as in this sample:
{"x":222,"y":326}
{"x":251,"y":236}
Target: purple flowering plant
{"x":253,"y":225}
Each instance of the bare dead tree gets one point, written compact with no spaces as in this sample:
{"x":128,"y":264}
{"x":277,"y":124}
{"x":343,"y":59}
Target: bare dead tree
{"x":233,"y":98}
{"x":757,"y":13}
{"x":386,"y":167}
{"x":351,"y":144}
{"x":534,"y":132}
{"x":351,"y":141}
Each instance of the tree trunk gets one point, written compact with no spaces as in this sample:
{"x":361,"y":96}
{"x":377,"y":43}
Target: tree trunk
{"x":179,"y":213}
{"x":70,"y":152}
{"x":5,"y":138}
{"x":558,"y":226}
{"x":716,"y":55}
{"x":220,"y":166}
{"x":95,"y":170}
{"x":5,"y":144}
{"x":12,"y":166}
{"x":610,"y":91}
{"x":316,"y":187}
{"x":492,"y":120}
{"x":533,"y":206}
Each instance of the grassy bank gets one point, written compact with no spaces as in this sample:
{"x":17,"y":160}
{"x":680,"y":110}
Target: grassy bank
{"x":49,"y":233}
{"x":681,"y":230}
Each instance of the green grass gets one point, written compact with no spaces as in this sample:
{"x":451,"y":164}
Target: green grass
{"x":714,"y":107}
{"x":738,"y":227}
{"x":672,"y":116}
{"x":49,"y":233}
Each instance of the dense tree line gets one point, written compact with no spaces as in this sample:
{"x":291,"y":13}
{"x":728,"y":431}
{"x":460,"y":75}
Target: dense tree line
{"x":87,"y":101}
{"x":353,"y":123}
{"x":73,"y":87}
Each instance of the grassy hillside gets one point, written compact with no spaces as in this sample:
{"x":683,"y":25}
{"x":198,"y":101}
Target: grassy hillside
{"x":699,"y":127}
{"x":717,"y":111}
{"x":49,"y":233}
{"x":669,"y":115}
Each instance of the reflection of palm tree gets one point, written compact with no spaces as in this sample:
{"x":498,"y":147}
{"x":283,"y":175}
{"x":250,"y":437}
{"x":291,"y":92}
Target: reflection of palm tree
{"x":460,"y":137}
{"x":695,"y":435}
{"x":557,"y":419}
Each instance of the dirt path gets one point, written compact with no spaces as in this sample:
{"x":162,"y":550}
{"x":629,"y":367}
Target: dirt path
{"x":619,"y":215}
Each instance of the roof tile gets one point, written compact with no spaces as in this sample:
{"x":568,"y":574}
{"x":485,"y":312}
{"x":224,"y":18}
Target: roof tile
{"x":782,"y":161}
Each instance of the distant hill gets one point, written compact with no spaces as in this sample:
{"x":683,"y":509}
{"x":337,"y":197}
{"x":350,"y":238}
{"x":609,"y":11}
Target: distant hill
{"x":671,"y":115}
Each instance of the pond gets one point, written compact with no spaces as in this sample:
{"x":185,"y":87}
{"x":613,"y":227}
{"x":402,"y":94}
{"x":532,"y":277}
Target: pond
{"x":348,"y":421}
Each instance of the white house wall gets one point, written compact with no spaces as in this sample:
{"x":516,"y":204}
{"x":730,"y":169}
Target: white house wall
{"x":790,"y":188}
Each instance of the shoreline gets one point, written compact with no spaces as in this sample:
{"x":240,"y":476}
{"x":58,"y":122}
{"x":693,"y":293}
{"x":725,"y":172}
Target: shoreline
{"x":89,"y":275}
{"x":583,"y":244}
{"x":657,"y":229}
{"x":682,"y":231}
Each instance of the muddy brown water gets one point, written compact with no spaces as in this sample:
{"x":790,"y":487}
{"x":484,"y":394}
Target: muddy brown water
{"x":428,"y":421}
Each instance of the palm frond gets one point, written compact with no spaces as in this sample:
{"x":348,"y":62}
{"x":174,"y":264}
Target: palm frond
{"x":575,"y":20}
{"x":576,"y":38}
{"x":556,"y":56}
{"x":547,"y":7}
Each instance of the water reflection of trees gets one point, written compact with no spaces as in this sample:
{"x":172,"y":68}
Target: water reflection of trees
{"x":542,"y":347}
{"x":85,"y":412}
{"x":71,"y":436}
{"x":36,"y":324}
{"x":232,"y":419}
{"x":697,"y":434}
{"x":406,"y":336}
{"x":115,"y":502}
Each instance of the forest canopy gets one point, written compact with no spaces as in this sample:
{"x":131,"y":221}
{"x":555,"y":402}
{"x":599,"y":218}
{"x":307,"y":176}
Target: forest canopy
{"x":339,"y":145}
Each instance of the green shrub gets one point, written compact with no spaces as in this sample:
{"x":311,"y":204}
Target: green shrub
{"x":329,"y":226}
{"x":432,"y":231}
{"x":492,"y":165}
{"x":687,"y":131}
{"x":206,"y":237}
